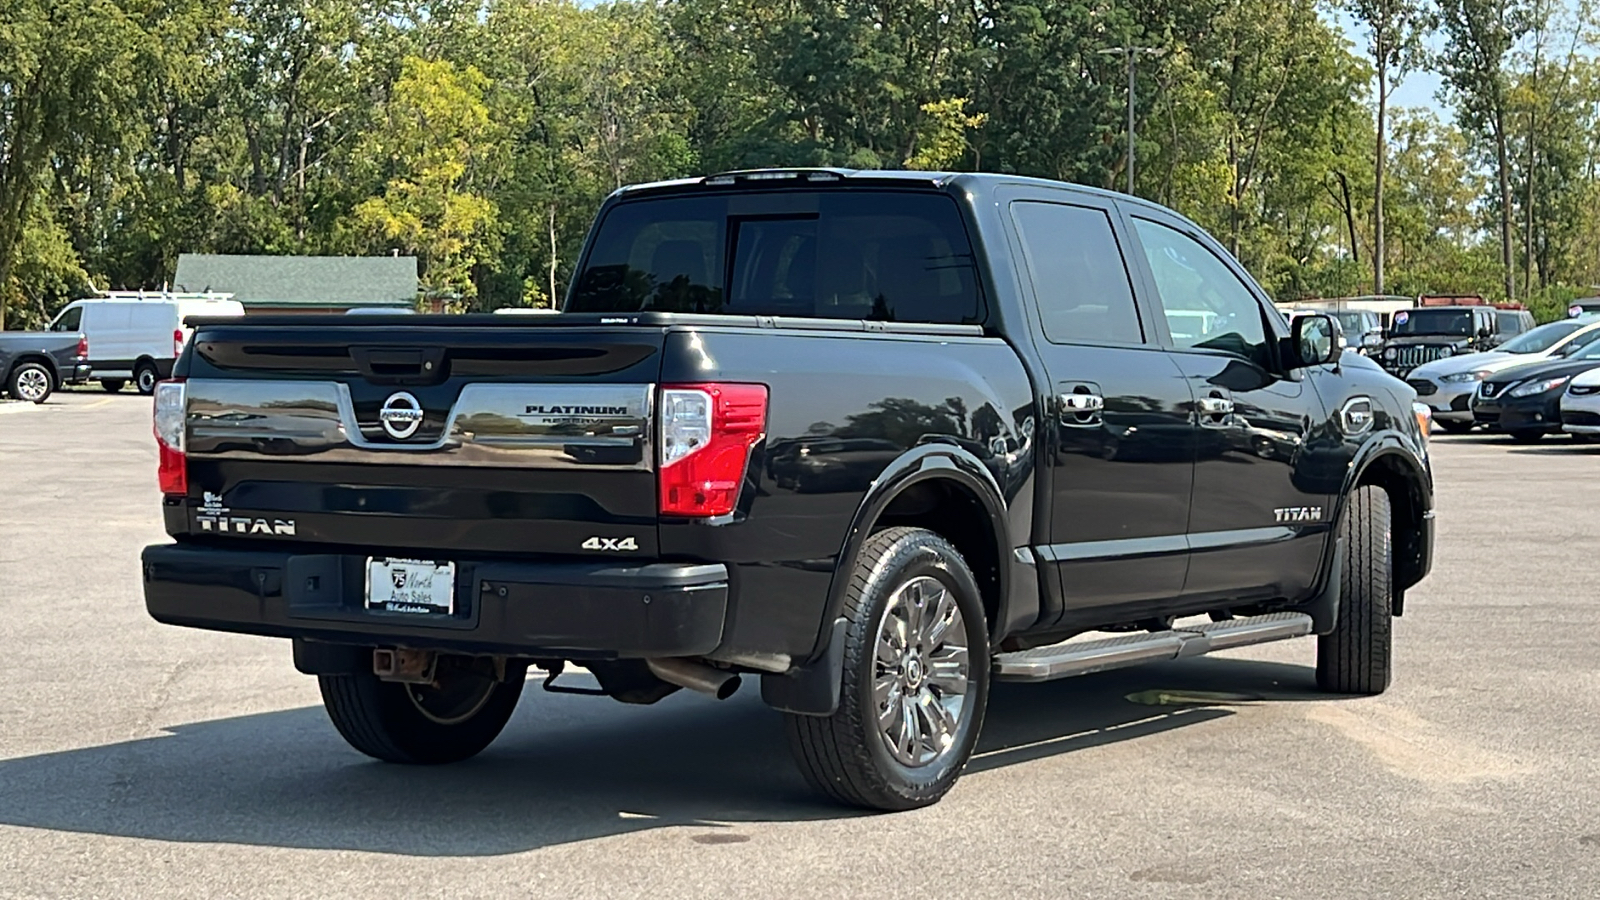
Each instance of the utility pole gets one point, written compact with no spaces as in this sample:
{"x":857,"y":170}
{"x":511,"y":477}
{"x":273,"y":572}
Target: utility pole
{"x":1132,"y":53}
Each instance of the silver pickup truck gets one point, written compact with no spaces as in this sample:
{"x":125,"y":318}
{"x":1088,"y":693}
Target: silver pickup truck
{"x":34,"y":363}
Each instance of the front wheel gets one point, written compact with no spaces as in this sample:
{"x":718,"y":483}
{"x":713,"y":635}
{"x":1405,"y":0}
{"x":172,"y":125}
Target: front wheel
{"x":1454,"y":427}
{"x":915,"y":679}
{"x":30,"y":382}
{"x":1355,"y":657}
{"x":112,"y":385}
{"x":1527,"y":437}
{"x":450,"y":720}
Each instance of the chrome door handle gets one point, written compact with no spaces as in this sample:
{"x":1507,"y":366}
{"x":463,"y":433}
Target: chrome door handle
{"x":1215,"y":406}
{"x":1082,"y":403}
{"x":1080,"y":410}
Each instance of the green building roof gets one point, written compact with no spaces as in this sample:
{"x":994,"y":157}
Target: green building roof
{"x":311,"y":282}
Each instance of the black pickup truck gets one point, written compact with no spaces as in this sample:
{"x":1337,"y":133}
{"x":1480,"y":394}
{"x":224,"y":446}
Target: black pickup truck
{"x":878,"y":439}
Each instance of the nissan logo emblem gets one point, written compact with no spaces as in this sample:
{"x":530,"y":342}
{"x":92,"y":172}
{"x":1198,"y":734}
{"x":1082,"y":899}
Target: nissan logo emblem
{"x":401,"y":415}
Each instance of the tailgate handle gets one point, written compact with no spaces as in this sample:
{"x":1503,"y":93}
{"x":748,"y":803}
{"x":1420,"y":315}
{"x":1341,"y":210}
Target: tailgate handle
{"x":400,"y":365}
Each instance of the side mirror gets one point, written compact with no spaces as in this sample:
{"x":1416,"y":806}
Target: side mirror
{"x":1372,"y":340}
{"x":1314,"y":341}
{"x":1484,"y":334}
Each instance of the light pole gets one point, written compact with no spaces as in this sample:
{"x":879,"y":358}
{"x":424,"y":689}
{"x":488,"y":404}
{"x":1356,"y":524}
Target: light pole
{"x":1132,"y":53}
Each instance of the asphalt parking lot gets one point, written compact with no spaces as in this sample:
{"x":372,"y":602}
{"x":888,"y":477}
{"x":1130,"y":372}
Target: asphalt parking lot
{"x":139,"y":760}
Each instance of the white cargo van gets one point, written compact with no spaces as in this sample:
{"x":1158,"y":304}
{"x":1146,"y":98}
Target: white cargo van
{"x":137,"y":335}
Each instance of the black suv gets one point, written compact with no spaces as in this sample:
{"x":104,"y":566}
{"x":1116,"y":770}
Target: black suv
{"x":1427,"y":333}
{"x":876,"y":438}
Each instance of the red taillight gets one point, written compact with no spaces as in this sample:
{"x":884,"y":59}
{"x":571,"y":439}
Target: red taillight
{"x":707,"y":431}
{"x":171,"y":410}
{"x":177,"y":342}
{"x":83,"y":347}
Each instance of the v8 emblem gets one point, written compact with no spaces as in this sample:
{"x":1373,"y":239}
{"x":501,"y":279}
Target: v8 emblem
{"x":613,"y":544}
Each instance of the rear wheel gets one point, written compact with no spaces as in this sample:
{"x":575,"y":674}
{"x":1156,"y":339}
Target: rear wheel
{"x":452,"y":719}
{"x":1355,"y":657}
{"x":916,"y":678}
{"x":145,"y":377}
{"x":1453,"y":427}
{"x":112,"y":385}
{"x":30,"y":382}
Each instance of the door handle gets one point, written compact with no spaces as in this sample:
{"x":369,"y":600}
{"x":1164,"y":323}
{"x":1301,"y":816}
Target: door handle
{"x":1081,"y":408}
{"x":1082,"y":403}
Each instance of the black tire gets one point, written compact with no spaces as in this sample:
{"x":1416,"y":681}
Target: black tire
{"x":112,"y":385}
{"x":1526,"y":437}
{"x":145,"y":376}
{"x":30,"y":382}
{"x":845,"y":756}
{"x":383,"y":720}
{"x":1454,"y":427}
{"x":1355,"y":658}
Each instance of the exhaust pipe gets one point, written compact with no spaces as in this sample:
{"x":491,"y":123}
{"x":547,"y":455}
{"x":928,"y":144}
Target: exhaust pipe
{"x":695,"y":676}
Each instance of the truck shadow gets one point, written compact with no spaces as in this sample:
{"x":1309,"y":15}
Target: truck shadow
{"x":567,"y":769}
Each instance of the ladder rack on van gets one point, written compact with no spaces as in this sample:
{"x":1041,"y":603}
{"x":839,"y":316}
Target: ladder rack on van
{"x":168,"y":296}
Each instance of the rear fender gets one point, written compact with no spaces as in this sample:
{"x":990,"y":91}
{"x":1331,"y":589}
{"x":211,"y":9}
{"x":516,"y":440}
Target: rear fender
{"x":813,"y":689}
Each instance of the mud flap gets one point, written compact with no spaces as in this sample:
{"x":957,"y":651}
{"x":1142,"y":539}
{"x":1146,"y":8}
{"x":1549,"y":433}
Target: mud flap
{"x":812,"y":689}
{"x":1324,"y":607}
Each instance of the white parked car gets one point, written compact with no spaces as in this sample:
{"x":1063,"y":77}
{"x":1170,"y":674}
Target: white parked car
{"x":1580,"y":406}
{"x":1446,"y":385}
{"x":137,"y":336}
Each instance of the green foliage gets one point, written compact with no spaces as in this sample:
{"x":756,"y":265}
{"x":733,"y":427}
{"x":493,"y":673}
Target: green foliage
{"x":434,"y":145}
{"x":481,"y":135}
{"x":942,"y":140}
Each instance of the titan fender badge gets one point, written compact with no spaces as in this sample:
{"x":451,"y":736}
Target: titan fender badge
{"x":401,"y":415}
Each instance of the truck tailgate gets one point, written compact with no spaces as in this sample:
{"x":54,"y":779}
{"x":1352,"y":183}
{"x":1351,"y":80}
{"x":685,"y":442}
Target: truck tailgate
{"x":443,"y":435}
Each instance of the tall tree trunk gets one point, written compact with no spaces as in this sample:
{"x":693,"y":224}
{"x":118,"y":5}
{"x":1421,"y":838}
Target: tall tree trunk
{"x":1527,"y":213}
{"x":1349,"y":217}
{"x":1380,"y":151}
{"x":552,"y":254}
{"x":1502,"y":166}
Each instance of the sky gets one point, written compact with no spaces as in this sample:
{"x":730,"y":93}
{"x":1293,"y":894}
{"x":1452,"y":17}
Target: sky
{"x":1419,"y":89}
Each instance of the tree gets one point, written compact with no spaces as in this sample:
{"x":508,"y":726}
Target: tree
{"x":942,"y":142}
{"x":1480,"y":34}
{"x":435,"y":142}
{"x":66,"y":88}
{"x":1395,"y":29}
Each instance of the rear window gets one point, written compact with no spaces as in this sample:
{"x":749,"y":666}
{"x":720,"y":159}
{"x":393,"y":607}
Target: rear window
{"x":892,"y":256}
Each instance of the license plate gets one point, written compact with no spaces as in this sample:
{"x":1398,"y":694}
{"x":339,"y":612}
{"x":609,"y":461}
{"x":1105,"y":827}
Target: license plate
{"x":417,"y":586}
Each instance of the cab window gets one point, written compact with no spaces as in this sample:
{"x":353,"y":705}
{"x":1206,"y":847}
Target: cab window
{"x":1206,"y":306}
{"x":71,"y":319}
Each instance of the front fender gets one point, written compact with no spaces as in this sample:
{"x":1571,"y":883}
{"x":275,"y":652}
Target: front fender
{"x":1391,"y":459}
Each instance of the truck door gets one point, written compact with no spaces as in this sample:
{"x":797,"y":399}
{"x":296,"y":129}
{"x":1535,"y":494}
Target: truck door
{"x":1121,"y":443}
{"x":1262,"y":506}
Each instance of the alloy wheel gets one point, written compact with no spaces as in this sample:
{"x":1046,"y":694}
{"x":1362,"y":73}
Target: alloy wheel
{"x":33,"y":385}
{"x":921,"y":672}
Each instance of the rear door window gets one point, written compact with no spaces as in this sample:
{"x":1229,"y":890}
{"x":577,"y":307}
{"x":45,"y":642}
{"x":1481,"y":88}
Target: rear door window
{"x":1078,"y":274}
{"x":886,"y":255}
